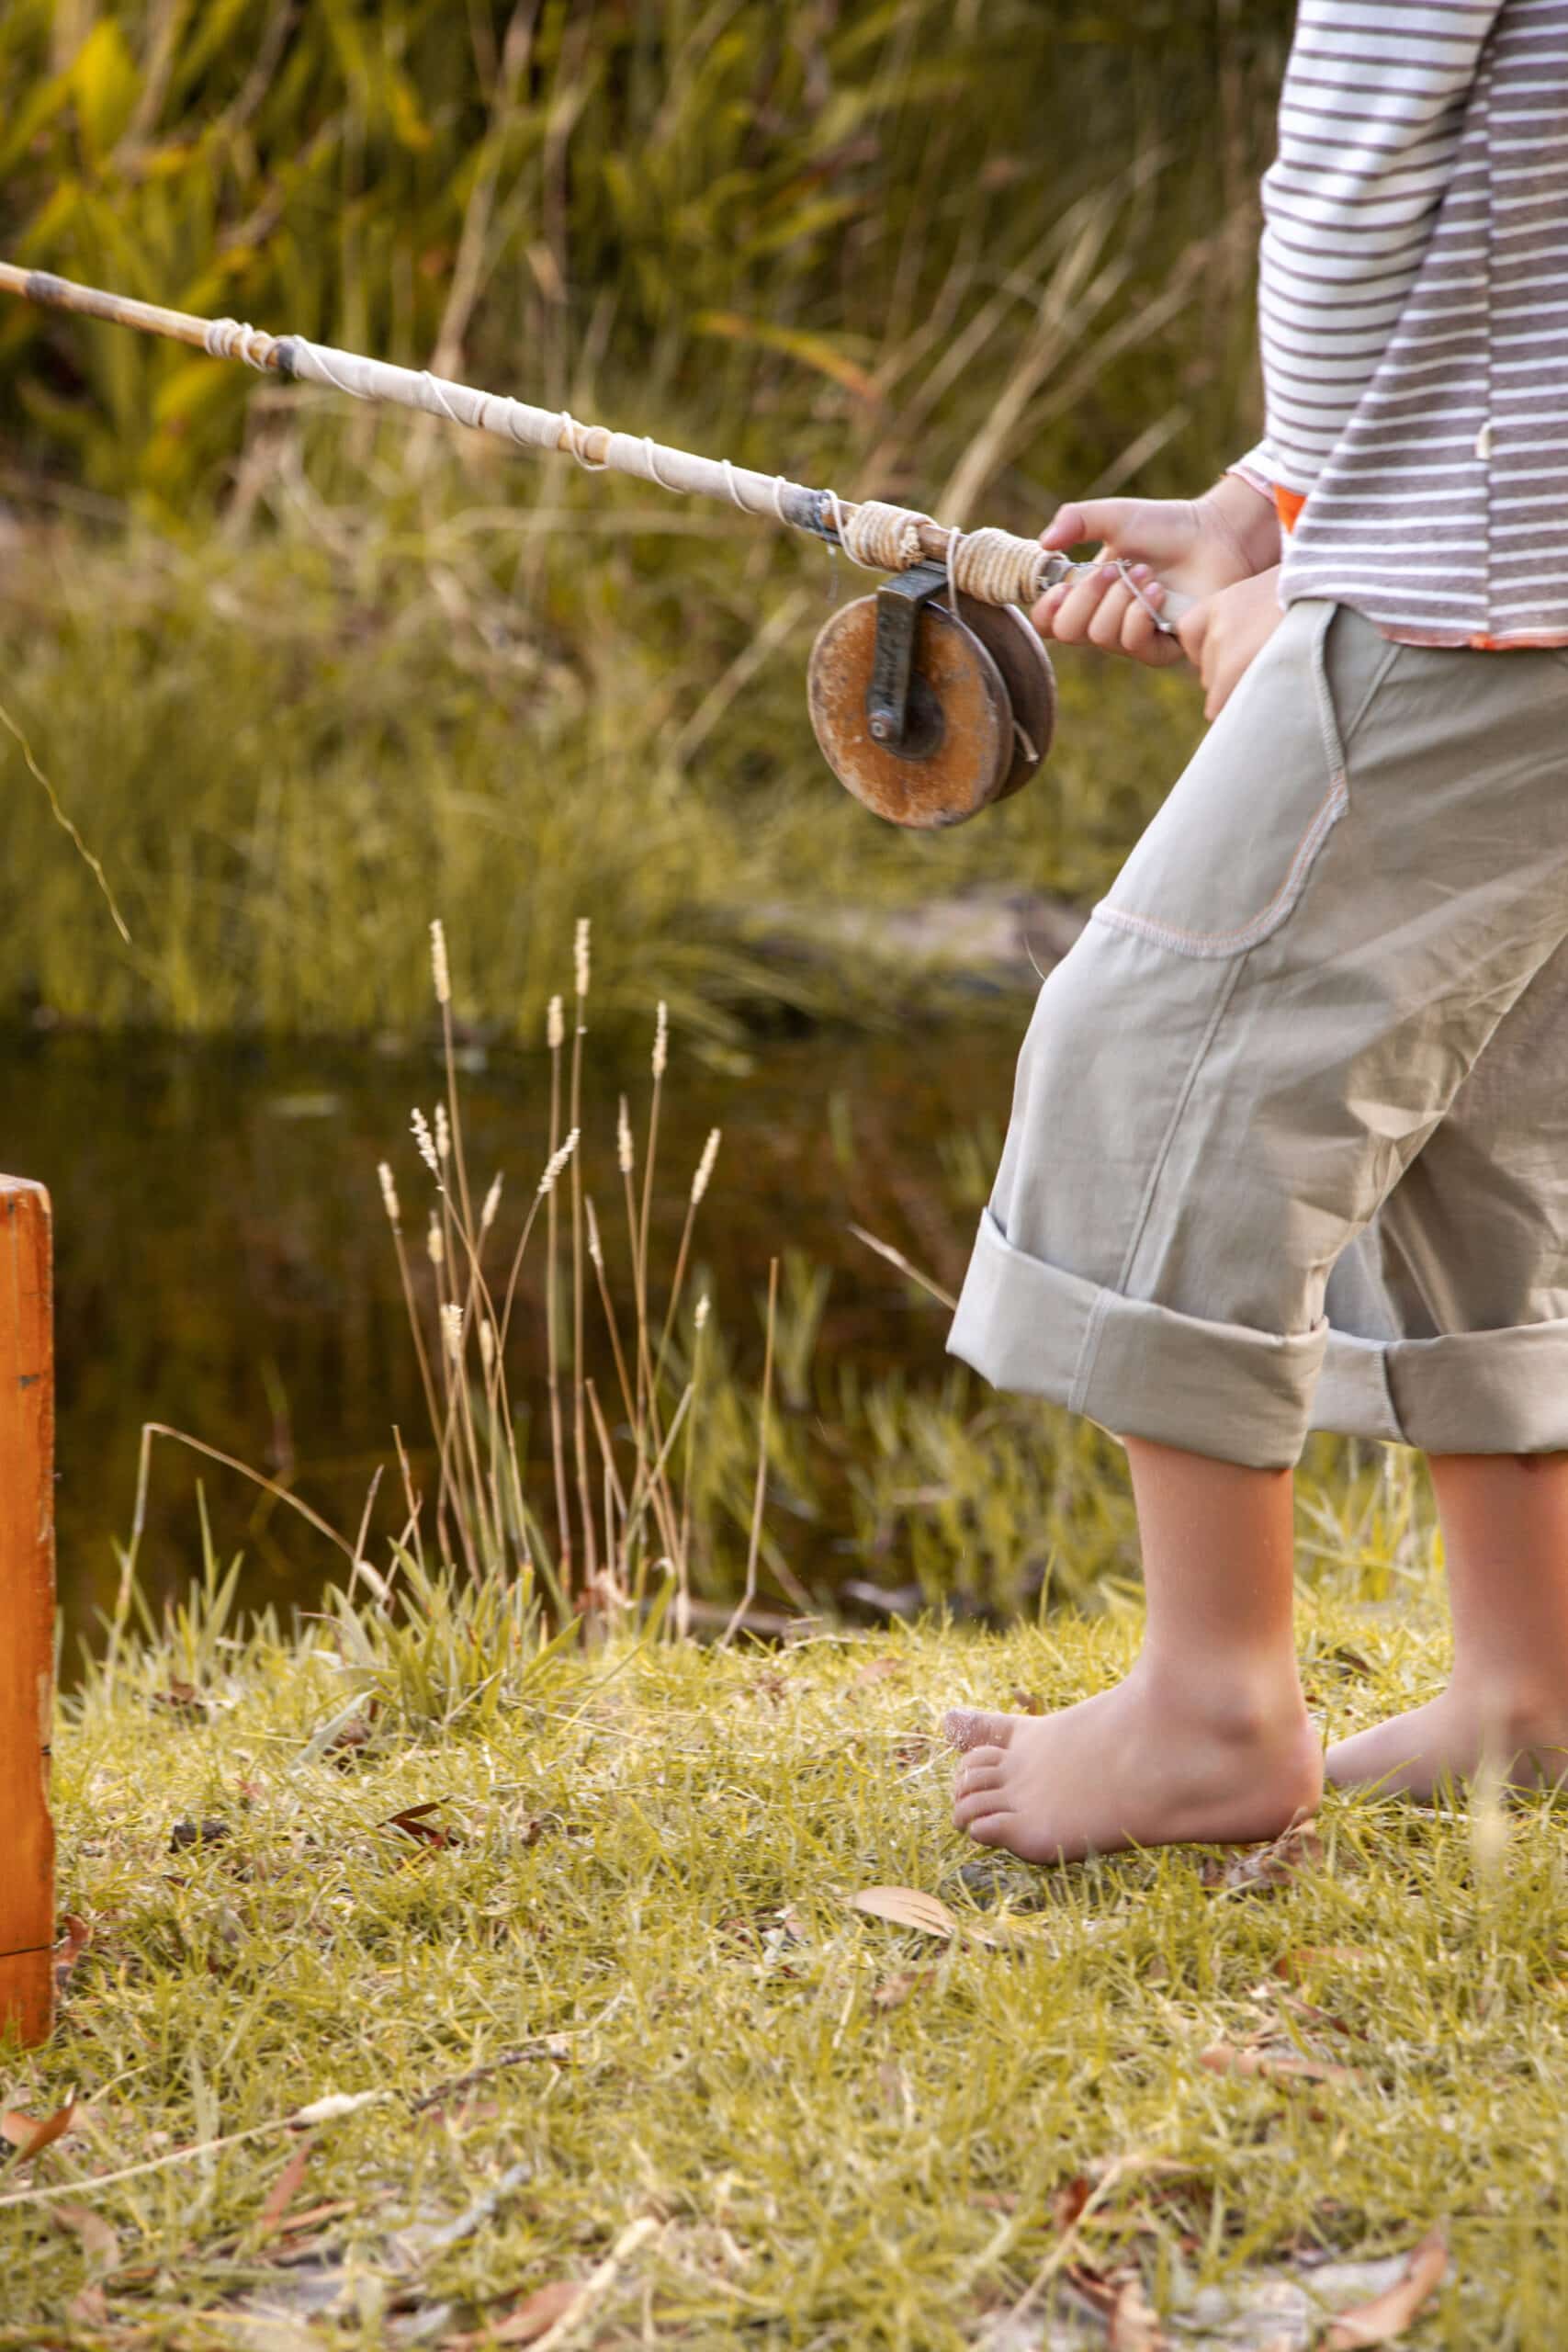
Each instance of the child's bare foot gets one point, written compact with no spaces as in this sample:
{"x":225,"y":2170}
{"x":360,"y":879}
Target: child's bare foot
{"x":1154,"y":1762}
{"x":1447,"y":1740}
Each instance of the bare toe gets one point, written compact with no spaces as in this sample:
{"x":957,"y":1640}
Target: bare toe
{"x":969,"y":1727}
{"x":991,"y":1828}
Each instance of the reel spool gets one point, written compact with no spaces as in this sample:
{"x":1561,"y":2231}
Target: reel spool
{"x":927,"y":713}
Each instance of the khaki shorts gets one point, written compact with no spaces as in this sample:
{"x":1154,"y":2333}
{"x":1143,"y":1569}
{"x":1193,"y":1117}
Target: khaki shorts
{"x":1289,"y":1145}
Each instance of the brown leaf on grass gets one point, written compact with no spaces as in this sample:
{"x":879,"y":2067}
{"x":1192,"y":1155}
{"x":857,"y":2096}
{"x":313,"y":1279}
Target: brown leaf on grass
{"x":89,"y":2308}
{"x":1273,"y":2065}
{"x":534,"y":2317}
{"x":1134,"y":2325}
{"x":1389,"y":2314}
{"x":1027,"y":1702}
{"x":186,"y":1834}
{"x":350,"y":1737}
{"x":893,"y":1991}
{"x":182,"y":1698}
{"x":907,"y":1906}
{"x":1295,"y":1850}
{"x":284,"y":2190}
{"x":1068,"y":2202}
{"x":414,"y":1822}
{"x":1130,"y":2324}
{"x":878,"y":1670}
{"x":74,"y":1936}
{"x":100,"y":2242}
{"x":31,"y":2134}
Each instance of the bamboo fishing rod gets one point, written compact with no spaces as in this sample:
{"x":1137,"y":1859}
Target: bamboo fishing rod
{"x":996,"y":567}
{"x":930,"y":700}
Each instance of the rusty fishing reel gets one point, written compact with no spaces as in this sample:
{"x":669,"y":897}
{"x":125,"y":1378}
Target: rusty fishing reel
{"x":929,"y":707}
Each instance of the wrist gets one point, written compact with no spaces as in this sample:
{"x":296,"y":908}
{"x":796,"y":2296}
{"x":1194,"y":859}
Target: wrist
{"x":1244,"y":515}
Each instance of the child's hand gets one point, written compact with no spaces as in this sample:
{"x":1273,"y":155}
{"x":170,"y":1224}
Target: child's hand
{"x":1222,"y":635}
{"x":1197,"y":545}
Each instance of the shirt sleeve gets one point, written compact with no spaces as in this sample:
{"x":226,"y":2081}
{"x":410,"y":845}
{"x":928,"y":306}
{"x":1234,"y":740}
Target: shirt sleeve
{"x":1369,"y":124}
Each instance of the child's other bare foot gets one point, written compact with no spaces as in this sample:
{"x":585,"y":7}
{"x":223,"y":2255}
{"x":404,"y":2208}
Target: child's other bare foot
{"x":1526,"y":1741}
{"x":1154,"y":1762}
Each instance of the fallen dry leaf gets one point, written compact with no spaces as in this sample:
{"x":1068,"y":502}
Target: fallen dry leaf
{"x":1297,"y":1848}
{"x":1027,"y":1702}
{"x":538,"y":2313}
{"x":893,"y":1991}
{"x":31,"y":2134}
{"x":1390,"y":2313}
{"x":907,"y":1906}
{"x":1133,"y":2325}
{"x":283,"y":2192}
{"x":877,"y":1670}
{"x":350,"y":1737}
{"x":186,"y":1834}
{"x":100,"y":2242}
{"x":90,"y":2308}
{"x":74,"y":1936}
{"x":414,"y":1822}
{"x":184,"y":1696}
{"x":1068,"y":2202}
{"x":1273,"y":2065}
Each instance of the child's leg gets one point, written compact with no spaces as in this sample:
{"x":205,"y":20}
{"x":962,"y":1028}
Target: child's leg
{"x":1504,"y":1520}
{"x":1207,"y":1737}
{"x":1258,"y":1041}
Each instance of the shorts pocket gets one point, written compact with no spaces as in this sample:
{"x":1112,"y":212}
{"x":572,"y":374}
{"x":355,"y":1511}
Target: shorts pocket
{"x":1226,"y":859}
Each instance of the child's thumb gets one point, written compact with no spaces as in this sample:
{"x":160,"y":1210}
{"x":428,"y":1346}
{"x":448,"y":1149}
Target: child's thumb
{"x":1090,"y":518}
{"x":1073,"y":525}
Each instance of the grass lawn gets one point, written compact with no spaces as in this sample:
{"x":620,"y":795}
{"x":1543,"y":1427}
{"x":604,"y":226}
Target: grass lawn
{"x":636,"y":2069}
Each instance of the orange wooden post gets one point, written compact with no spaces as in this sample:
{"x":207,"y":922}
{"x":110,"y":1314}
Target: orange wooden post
{"x":26,"y":1609}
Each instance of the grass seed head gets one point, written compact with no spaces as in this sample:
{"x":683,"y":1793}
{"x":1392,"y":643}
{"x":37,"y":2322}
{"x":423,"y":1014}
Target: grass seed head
{"x":705,"y":1167}
{"x":595,"y":1249}
{"x":486,"y":1344}
{"x":452,"y":1329}
{"x":555,"y":1026}
{"x":442,"y":1134}
{"x":547,"y":1181}
{"x":440,"y":972}
{"x":427,"y":1142}
{"x":661,"y":1040}
{"x":623,"y":1139}
{"x":434,"y":1242}
{"x":389,"y":1197}
{"x":579,"y":955}
{"x":699,"y":1320}
{"x":491,"y":1203}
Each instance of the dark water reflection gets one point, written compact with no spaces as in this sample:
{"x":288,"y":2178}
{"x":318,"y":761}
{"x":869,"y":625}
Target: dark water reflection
{"x":223,"y":1264}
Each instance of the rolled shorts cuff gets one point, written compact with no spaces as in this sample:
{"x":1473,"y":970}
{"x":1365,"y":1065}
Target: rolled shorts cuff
{"x":1467,"y":1392}
{"x":1139,"y":1369}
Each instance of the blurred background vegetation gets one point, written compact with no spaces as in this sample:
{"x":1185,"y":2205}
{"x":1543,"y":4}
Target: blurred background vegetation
{"x":304,"y":677}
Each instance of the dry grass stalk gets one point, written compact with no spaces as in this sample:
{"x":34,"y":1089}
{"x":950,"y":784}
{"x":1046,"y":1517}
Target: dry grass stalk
{"x":749,"y":1595}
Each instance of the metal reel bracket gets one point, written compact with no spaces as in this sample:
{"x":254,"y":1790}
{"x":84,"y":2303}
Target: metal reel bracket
{"x":901,"y":709}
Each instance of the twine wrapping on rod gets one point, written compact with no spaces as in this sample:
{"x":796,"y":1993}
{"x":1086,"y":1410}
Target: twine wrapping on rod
{"x":995,"y":567}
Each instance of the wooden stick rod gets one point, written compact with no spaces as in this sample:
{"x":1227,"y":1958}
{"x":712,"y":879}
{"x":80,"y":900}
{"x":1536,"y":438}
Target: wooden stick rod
{"x":997,"y":567}
{"x":26,"y":1609}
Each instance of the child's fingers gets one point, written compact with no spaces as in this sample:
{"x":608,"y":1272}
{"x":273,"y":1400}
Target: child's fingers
{"x":1069,"y":610}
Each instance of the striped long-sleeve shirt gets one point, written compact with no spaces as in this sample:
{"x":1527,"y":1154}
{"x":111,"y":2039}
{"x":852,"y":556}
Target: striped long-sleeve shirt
{"x":1413,"y":300}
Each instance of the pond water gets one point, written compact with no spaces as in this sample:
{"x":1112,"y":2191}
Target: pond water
{"x":223,"y":1261}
